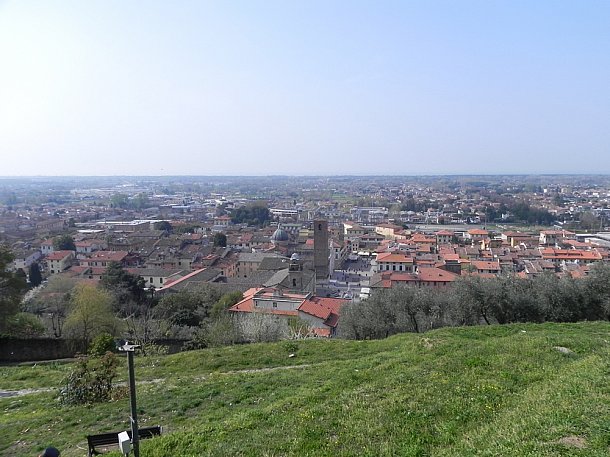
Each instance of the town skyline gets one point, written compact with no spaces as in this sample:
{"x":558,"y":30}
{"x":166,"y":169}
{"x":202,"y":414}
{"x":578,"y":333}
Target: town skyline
{"x":197,"y":263}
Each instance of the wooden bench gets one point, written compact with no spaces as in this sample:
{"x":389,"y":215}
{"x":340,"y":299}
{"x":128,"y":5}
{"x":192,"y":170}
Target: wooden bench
{"x":105,"y":440}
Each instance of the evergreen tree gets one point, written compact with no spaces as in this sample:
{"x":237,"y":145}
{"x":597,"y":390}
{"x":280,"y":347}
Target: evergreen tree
{"x":220,"y":240}
{"x":12,"y":287}
{"x":123,"y":285}
{"x":163,"y":225}
{"x":64,"y":243}
{"x":35,"y":275}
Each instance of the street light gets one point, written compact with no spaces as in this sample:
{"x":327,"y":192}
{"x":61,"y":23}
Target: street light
{"x":135,"y":436}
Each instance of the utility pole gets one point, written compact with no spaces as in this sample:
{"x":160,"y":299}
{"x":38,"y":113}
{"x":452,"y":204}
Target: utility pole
{"x":135,"y":436}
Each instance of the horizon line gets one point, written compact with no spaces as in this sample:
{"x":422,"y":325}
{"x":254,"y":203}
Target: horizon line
{"x":416,"y":175}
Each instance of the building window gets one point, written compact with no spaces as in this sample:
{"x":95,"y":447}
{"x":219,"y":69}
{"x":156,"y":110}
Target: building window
{"x":161,"y":280}
{"x":275,"y":304}
{"x":294,"y":282}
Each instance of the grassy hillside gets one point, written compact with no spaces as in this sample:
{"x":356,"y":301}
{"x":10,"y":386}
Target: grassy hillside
{"x":486,"y":391}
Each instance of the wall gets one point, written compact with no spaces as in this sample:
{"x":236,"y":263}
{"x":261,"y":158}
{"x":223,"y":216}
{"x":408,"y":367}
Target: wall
{"x":34,"y":349}
{"x":24,"y":350}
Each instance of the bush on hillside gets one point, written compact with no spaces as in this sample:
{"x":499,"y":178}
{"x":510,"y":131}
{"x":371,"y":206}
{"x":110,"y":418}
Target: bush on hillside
{"x":90,"y":381}
{"x":25,"y":325}
{"x":262,"y":328}
{"x":101,"y":344}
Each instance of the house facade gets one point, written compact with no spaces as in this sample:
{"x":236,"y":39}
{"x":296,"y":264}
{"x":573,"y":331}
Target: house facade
{"x":394,"y":261}
{"x":59,"y":261}
{"x":321,"y":314}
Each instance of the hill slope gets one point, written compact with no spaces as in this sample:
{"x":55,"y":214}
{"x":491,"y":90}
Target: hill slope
{"x":488,"y":391}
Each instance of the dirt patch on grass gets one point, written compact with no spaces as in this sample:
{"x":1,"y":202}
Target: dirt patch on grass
{"x":427,"y":343}
{"x":563,"y":350}
{"x":263,"y":370}
{"x":577,"y":442}
{"x":19,"y":393}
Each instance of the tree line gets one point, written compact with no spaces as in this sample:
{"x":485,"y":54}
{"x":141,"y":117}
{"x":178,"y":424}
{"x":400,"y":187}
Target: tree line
{"x":253,"y":214}
{"x":473,"y":300}
{"x":121,"y":306}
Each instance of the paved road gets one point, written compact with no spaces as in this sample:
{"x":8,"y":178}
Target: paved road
{"x":353,"y":276}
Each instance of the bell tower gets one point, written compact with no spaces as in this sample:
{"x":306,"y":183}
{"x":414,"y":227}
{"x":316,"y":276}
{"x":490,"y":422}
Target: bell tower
{"x":320,"y":248}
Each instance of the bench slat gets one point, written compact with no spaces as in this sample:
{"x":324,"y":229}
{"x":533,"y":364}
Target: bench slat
{"x":111,"y":439}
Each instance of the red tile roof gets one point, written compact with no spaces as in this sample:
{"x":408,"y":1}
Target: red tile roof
{"x":436,"y":275}
{"x":247,"y":306}
{"x":394,"y":257}
{"x":428,"y":275}
{"x":325,"y":332}
{"x":181,"y":279}
{"x":483,"y":265}
{"x":322,"y":308}
{"x":59,"y":255}
{"x":570,"y":254}
{"x":315,"y":309}
{"x":109,"y":256}
{"x":421,"y":238}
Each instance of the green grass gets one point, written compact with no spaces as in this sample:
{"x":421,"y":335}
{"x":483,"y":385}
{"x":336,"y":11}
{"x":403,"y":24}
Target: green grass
{"x":478,"y":391}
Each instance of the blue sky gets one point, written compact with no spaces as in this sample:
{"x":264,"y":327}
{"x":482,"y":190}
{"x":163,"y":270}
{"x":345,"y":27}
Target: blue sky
{"x":304,"y":88}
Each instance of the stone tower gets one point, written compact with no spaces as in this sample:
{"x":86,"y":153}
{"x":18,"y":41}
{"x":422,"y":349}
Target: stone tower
{"x":320,"y":248}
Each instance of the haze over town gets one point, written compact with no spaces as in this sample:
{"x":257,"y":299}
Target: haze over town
{"x":304,"y":88}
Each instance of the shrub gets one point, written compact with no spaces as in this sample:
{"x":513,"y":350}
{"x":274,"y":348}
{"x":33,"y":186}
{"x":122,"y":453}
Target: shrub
{"x":152,"y":349}
{"x":298,"y":328}
{"x":101,"y":344}
{"x":90,"y":381}
{"x":25,"y":325}
{"x":290,"y":346}
{"x":261,"y":328}
{"x":220,"y":331}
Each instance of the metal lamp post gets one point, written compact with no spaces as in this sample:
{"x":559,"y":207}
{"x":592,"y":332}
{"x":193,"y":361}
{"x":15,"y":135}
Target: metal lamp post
{"x":135,"y":437}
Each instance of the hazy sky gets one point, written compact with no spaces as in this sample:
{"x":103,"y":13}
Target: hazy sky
{"x":304,"y":87}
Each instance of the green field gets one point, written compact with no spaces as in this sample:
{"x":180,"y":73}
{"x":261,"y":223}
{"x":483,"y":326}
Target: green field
{"x":485,"y":391}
